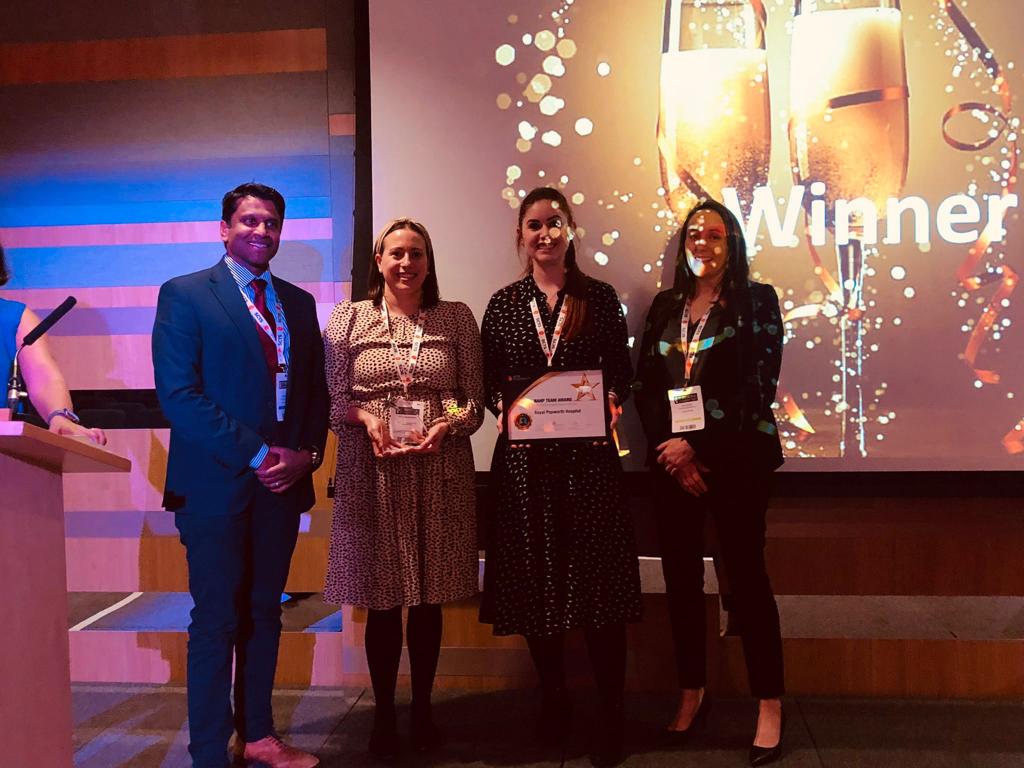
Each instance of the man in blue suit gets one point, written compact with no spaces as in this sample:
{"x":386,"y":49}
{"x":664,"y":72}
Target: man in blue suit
{"x":239,"y":368}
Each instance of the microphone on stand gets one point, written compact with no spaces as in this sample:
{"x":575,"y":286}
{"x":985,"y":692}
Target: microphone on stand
{"x":14,"y":387}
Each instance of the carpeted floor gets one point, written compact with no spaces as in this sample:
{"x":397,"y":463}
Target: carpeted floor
{"x":132,"y":726}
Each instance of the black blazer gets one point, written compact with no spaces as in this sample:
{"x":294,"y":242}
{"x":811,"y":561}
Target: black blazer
{"x":760,"y":334}
{"x":213,"y":386}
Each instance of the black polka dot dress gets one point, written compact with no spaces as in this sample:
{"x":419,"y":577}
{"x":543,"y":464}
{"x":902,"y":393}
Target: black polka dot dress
{"x":560,"y":546}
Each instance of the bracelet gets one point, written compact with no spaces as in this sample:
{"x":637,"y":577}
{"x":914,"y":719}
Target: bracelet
{"x":67,"y":413}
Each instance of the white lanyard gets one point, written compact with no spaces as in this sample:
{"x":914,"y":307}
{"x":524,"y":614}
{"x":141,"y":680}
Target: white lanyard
{"x":549,"y":351}
{"x":277,"y":338}
{"x":693,"y":345}
{"x":405,"y":368}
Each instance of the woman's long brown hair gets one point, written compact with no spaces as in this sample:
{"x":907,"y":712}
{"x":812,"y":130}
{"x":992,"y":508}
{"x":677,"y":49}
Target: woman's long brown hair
{"x":575,"y":280}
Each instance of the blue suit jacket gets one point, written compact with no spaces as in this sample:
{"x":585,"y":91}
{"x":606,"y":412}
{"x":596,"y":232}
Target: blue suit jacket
{"x":214,"y":387}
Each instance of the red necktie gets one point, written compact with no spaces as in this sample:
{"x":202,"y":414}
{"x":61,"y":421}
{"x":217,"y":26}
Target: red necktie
{"x":269,"y":347}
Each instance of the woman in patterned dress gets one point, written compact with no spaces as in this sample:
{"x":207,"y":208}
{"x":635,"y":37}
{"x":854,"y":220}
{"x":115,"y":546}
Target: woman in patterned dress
{"x":721,"y":462}
{"x":561,"y":553}
{"x":404,"y":371}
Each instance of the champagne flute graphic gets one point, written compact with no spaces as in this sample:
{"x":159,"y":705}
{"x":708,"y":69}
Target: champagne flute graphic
{"x":848,"y":136}
{"x":714,"y":121}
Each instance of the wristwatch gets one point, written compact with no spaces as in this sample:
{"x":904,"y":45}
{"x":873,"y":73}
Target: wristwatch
{"x":67,"y":413}
{"x":315,"y":455}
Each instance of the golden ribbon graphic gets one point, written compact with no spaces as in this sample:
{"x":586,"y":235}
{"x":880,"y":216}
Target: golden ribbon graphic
{"x":967,"y":273}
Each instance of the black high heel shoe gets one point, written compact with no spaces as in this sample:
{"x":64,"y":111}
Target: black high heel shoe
{"x":555,"y":721}
{"x":425,"y":736}
{"x":676,"y":738}
{"x":765,"y":755}
{"x":385,"y":744}
{"x":608,"y":743}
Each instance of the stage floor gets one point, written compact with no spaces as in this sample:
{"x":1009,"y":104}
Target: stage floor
{"x":144,"y":726}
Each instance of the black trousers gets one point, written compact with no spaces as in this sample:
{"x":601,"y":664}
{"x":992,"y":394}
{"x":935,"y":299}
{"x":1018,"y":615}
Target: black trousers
{"x":237,"y":568}
{"x":737,"y":500}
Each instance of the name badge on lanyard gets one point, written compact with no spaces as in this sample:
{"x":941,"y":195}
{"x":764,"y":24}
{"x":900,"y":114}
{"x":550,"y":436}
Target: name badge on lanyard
{"x":542,"y":336}
{"x":687,"y":409}
{"x":405,"y":416}
{"x":281,"y":374}
{"x":687,"y":402}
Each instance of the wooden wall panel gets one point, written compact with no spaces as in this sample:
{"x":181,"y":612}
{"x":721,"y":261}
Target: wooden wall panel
{"x":831,"y":666}
{"x":117,"y":297}
{"x":118,"y":537}
{"x":901,"y":545}
{"x":107,"y":19}
{"x":164,"y":58}
{"x":139,"y":490}
{"x":146,"y":121}
{"x":342,"y":125}
{"x":143,"y":657}
{"x":902,"y":668}
{"x":915,"y":547}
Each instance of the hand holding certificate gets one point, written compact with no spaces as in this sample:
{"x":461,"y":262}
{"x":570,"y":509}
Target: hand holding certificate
{"x":555,"y":405}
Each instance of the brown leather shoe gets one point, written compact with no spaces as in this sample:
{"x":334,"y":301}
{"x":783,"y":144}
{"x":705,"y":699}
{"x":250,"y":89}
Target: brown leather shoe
{"x":274,"y":753}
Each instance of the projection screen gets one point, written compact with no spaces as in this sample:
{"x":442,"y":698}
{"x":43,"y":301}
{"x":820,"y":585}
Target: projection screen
{"x":870,"y":151}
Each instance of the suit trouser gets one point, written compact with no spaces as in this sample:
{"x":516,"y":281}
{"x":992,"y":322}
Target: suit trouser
{"x":737,"y":501}
{"x":237,"y":568}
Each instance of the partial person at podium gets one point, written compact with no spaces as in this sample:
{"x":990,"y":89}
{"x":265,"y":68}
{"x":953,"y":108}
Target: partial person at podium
{"x":239,"y":370}
{"x":45,"y":383}
{"x":406,"y":387}
{"x":706,"y":377}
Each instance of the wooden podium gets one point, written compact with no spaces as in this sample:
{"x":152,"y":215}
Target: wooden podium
{"x":35,"y":703}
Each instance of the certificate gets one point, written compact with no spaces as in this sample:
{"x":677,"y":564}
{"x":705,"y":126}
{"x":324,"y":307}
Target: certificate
{"x":555,"y":405}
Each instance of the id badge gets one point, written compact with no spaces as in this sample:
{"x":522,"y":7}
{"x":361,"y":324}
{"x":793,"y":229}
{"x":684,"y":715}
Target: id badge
{"x":405,"y":419}
{"x":281,"y":393}
{"x":687,"y":409}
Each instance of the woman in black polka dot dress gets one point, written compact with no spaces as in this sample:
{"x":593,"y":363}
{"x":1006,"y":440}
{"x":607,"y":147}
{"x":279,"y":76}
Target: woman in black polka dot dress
{"x":718,"y":457}
{"x":561,"y":553}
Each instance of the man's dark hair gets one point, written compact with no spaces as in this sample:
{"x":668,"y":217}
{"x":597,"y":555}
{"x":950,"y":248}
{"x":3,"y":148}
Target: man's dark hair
{"x":4,"y":274}
{"x":260,"y":191}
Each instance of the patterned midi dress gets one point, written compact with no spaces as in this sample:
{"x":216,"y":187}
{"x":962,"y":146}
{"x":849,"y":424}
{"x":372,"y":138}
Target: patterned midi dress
{"x":404,"y":527}
{"x":560,"y":549}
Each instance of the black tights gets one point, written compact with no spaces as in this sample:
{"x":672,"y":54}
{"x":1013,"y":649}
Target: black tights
{"x":384,"y":652}
{"x":606,"y":647}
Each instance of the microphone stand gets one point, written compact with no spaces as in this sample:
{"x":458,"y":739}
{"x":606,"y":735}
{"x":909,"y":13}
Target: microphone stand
{"x":15,"y":386}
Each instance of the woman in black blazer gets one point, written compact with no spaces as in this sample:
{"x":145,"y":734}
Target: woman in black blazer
{"x":706,"y":404}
